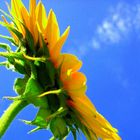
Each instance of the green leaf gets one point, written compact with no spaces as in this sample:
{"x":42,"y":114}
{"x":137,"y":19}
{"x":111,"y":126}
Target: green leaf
{"x":41,"y":116}
{"x":19,"y":65}
{"x":40,"y":120}
{"x":5,"y":46}
{"x":20,"y":84}
{"x":32,"y":91}
{"x":59,"y":128}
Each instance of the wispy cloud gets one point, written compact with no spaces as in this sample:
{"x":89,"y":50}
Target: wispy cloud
{"x":121,"y":21}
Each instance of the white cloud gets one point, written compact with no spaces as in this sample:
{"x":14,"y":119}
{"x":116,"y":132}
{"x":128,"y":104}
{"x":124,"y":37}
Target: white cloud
{"x":107,"y":32}
{"x":119,"y":23}
{"x":95,"y":44}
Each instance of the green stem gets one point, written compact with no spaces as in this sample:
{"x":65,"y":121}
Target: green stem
{"x":51,"y":92}
{"x":10,"y":114}
{"x":12,"y":54}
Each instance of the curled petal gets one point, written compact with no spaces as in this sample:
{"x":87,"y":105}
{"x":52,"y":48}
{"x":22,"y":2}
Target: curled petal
{"x":70,"y":62}
{"x":75,"y":81}
{"x":77,"y":92}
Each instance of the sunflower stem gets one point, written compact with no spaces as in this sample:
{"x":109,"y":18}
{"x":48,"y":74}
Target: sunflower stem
{"x":10,"y":114}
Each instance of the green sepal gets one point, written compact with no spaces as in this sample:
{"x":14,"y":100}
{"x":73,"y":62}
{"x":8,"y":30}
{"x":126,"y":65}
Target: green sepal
{"x":46,"y":81}
{"x":30,"y":40}
{"x":52,"y":72}
{"x":15,"y":98}
{"x":20,"y":66}
{"x":43,"y":51}
{"x":87,"y":134}
{"x":40,"y":120}
{"x":11,"y":60}
{"x":73,"y":130}
{"x":9,"y":39}
{"x":26,"y":122}
{"x":52,"y":138}
{"x":7,"y":15}
{"x":20,"y":85}
{"x":12,"y":29}
{"x":4,"y":63}
{"x":5,"y":46}
{"x":41,"y":116}
{"x":34,"y":130}
{"x":32,"y":91}
{"x":59,"y":128}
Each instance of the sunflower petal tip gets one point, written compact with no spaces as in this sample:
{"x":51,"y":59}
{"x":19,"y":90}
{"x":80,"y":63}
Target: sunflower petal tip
{"x":51,"y":11}
{"x":68,"y":28}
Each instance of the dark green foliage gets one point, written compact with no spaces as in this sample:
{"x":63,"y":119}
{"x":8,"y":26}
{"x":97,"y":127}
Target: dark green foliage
{"x":5,"y":46}
{"x":59,"y":128}
{"x":32,"y":91}
{"x":20,"y":85}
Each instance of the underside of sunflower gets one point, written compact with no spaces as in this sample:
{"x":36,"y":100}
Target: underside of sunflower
{"x":51,"y":80}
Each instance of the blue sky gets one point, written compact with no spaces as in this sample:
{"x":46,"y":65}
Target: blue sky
{"x":105,"y":35}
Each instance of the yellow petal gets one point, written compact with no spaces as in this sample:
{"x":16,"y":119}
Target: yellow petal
{"x":77,"y":92}
{"x":92,"y":119}
{"x":100,"y":118}
{"x":87,"y":104}
{"x":41,"y":16}
{"x":89,"y":119}
{"x":58,"y":46}
{"x":32,"y":20}
{"x":32,"y":8}
{"x":70,"y":62}
{"x":16,"y":13}
{"x":75,"y":81}
{"x":15,"y":8}
{"x":25,"y":16}
{"x":52,"y":33}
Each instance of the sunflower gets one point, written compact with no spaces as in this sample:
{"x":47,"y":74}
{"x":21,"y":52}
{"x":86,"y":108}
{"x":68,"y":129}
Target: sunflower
{"x":75,"y":84}
{"x":33,"y":31}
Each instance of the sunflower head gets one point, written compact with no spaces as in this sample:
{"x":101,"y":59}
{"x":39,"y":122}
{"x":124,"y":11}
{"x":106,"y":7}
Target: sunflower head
{"x":52,"y":81}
